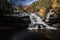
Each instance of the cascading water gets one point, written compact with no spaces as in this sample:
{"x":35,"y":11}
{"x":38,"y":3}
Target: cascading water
{"x":36,"y":21}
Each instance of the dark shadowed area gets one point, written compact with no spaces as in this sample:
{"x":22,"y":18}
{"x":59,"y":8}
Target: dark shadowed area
{"x":30,"y":35}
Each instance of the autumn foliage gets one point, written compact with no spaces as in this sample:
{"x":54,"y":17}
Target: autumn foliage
{"x":26,"y":7}
{"x":46,"y":4}
{"x":42,"y":12}
{"x":55,"y":4}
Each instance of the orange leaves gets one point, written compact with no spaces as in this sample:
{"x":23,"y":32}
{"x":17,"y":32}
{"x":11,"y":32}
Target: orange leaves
{"x":26,"y":7}
{"x":42,"y":12}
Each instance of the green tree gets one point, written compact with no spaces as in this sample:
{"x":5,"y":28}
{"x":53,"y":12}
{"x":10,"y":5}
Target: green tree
{"x":39,"y":4}
{"x":5,"y":7}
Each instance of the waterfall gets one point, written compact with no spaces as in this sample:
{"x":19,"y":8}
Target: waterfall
{"x":36,"y":20}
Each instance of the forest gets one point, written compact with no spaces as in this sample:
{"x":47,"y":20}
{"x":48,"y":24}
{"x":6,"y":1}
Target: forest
{"x":13,"y":25}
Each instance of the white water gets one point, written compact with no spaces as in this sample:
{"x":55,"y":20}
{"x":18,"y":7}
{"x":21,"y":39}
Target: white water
{"x":36,"y":20}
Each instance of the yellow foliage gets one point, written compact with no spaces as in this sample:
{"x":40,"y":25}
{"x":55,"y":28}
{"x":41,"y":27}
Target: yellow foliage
{"x":55,"y":4}
{"x":42,"y":12}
